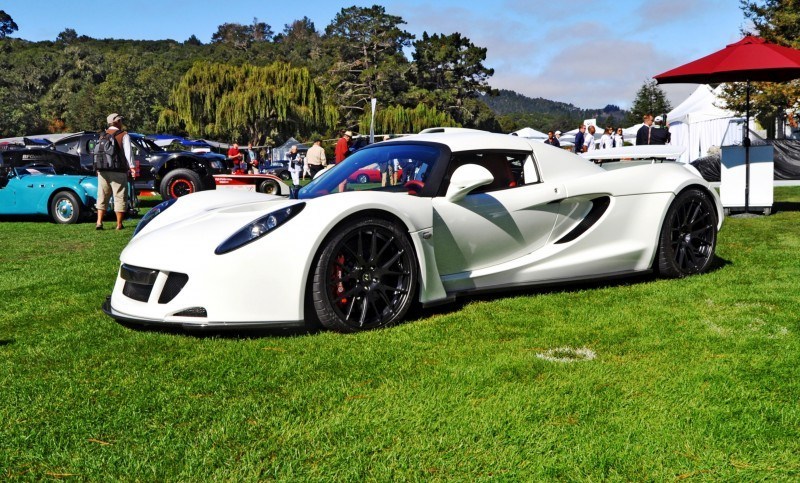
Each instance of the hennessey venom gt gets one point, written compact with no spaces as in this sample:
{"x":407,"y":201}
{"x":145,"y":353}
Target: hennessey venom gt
{"x":475,"y":211}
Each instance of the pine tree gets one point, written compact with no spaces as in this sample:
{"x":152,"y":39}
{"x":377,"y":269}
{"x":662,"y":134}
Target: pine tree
{"x":650,"y":99}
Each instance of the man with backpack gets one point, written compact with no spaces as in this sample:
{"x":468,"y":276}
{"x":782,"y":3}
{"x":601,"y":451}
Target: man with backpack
{"x":113,"y":161}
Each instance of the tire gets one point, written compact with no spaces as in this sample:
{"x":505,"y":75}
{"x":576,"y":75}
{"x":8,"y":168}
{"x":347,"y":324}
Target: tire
{"x":365,"y":276}
{"x":180,"y":182}
{"x":285,"y":175}
{"x":270,"y":187}
{"x":65,"y":208}
{"x":363,"y":179}
{"x":689,"y":235}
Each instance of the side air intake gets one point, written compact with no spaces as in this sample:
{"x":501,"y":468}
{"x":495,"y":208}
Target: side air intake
{"x":599,"y":206}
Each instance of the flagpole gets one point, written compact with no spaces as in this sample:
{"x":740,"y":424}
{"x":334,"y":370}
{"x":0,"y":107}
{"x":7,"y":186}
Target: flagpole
{"x":746,"y":142}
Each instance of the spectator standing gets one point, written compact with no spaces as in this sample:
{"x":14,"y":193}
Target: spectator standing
{"x":315,"y":157}
{"x":619,"y":140}
{"x":607,"y":139}
{"x":588,"y":140}
{"x":235,"y":156}
{"x":552,"y":139}
{"x":644,"y":132}
{"x":659,"y":134}
{"x":342,"y":147}
{"x":295,"y":164}
{"x":579,"y":138}
{"x":252,"y":159}
{"x":115,"y":181}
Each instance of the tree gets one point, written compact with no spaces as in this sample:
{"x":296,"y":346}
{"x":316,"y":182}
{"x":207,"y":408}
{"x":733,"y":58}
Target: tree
{"x":367,"y":47}
{"x":300,"y":44}
{"x":246,"y":102}
{"x":399,"y":119}
{"x":449,"y":69}
{"x":242,"y":36}
{"x":67,"y":36}
{"x":650,"y":99}
{"x":7,"y":25}
{"x":193,"y":40}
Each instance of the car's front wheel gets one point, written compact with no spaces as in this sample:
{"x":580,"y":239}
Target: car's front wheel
{"x":65,"y":208}
{"x":689,"y":235}
{"x":180,"y":182}
{"x":365,"y":276}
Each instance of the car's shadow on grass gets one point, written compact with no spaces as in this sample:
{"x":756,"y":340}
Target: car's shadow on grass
{"x":565,"y":287}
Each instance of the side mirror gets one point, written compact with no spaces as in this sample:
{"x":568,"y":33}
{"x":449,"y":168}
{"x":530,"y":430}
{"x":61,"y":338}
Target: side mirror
{"x":465,"y":179}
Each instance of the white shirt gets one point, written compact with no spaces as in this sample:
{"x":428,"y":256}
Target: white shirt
{"x":606,"y":141}
{"x":618,"y":141}
{"x":588,"y":141}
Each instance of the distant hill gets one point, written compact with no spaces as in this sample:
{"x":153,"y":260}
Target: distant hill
{"x":515,"y":111}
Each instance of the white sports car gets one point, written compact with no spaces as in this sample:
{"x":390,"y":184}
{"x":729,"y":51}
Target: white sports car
{"x":459,"y":212}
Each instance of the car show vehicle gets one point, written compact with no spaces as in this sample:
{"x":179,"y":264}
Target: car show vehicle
{"x":279,"y":169}
{"x":171,"y":173}
{"x":477,"y":212}
{"x":263,"y":183}
{"x":31,"y":186}
{"x":40,"y":181}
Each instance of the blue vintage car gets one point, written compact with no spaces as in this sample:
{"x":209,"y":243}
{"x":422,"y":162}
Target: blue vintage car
{"x":31,"y":184}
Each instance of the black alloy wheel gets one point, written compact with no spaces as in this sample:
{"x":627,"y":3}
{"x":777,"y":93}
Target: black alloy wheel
{"x":689,"y":235}
{"x":365,"y":277}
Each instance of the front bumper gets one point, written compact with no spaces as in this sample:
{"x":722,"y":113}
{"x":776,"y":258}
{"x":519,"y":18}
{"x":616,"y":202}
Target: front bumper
{"x":193,"y":325}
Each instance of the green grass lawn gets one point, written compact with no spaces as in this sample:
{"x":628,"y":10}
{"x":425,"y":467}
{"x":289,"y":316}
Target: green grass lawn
{"x":693,"y":379}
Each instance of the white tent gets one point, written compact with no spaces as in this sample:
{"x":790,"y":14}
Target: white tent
{"x":530,"y":133}
{"x":700,"y":122}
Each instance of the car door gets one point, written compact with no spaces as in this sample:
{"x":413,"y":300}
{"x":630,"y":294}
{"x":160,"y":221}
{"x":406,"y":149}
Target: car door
{"x":511,"y":217}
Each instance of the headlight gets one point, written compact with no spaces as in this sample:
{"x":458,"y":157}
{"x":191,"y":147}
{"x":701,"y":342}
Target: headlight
{"x":154,"y":212}
{"x":258,"y":228}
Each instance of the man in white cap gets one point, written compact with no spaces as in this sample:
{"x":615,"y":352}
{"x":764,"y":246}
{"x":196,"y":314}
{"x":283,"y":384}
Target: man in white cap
{"x":659,"y":134}
{"x":114,"y":181}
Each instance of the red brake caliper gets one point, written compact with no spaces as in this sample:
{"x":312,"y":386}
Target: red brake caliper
{"x":339,"y":285}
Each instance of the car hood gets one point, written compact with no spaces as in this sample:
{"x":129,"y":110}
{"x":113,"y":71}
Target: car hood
{"x":223,"y":209}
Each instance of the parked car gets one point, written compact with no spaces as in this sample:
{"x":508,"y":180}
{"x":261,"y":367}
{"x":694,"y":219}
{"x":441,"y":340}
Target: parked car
{"x":172,"y":174}
{"x":40,"y":181}
{"x":279,"y":169}
{"x":32,"y":183}
{"x":478,"y":212}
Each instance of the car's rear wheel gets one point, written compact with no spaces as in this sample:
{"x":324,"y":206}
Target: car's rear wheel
{"x":65,"y":208}
{"x":269,"y":186}
{"x":180,"y":182}
{"x":689,"y":235}
{"x":363,"y":178}
{"x":285,"y":175}
{"x":365,"y":276}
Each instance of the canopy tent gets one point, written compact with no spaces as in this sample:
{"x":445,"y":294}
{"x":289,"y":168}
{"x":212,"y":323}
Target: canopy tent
{"x":699,"y":122}
{"x":279,"y":153}
{"x":530,"y":133}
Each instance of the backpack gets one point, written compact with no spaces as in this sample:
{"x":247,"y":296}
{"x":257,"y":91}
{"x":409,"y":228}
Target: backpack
{"x":106,"y":153}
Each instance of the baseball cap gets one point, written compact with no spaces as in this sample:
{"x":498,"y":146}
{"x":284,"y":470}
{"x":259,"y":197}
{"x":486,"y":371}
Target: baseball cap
{"x":659,"y":119}
{"x":558,"y":133}
{"x":113,"y":117}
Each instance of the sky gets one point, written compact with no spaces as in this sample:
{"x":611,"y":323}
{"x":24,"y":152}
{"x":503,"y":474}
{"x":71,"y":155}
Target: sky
{"x":589,"y":53}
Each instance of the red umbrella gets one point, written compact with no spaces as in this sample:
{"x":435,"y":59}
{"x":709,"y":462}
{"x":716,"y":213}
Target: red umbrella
{"x":750,"y":59}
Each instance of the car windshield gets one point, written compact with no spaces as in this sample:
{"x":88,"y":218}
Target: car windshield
{"x":147,"y":144}
{"x":394,"y":167}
